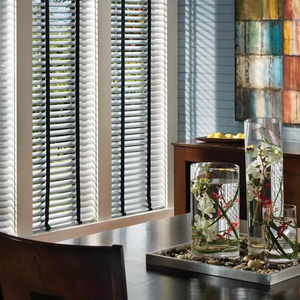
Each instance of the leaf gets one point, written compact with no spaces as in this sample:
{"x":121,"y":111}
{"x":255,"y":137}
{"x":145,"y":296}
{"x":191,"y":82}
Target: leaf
{"x":228,"y":207}
{"x":273,"y":225}
{"x":225,"y":216}
{"x":274,"y":240}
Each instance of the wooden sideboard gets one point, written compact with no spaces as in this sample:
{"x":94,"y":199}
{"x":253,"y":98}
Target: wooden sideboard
{"x":188,"y":152}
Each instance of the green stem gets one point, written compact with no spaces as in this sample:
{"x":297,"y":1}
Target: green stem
{"x":273,"y":225}
{"x":207,"y":244}
{"x":228,"y":207}
{"x":225,"y":216}
{"x":275,"y":242}
{"x":279,"y":192}
{"x":255,"y":212}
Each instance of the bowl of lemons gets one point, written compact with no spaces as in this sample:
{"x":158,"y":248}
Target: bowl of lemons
{"x":223,"y":137}
{"x":220,"y":135}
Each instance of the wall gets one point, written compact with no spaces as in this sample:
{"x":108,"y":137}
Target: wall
{"x":206,"y":70}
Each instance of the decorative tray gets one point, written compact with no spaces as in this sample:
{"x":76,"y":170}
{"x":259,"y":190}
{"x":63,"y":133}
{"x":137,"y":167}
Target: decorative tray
{"x":219,"y":140}
{"x":177,"y":258}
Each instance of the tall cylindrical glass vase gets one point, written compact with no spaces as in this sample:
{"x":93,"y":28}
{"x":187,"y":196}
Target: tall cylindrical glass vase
{"x":215,"y":209}
{"x":264,"y":175}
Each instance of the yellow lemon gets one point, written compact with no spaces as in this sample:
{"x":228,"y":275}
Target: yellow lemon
{"x":239,"y":136}
{"x":211,"y":135}
{"x":229,"y":135}
{"x":218,"y":135}
{"x":243,"y":135}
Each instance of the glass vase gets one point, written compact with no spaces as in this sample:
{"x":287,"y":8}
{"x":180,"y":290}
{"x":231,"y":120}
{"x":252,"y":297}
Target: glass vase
{"x":281,"y":245}
{"x":215,"y":209}
{"x":264,"y":175}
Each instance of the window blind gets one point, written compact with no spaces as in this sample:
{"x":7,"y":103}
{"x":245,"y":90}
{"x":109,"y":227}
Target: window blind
{"x":63,"y":112}
{"x":7,"y":113}
{"x":138,"y":106}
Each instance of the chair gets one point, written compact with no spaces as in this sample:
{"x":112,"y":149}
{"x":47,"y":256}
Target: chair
{"x":38,"y":270}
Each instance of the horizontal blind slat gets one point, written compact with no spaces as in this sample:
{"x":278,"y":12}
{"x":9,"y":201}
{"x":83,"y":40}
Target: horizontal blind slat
{"x":135,"y":87}
{"x":62,"y":115}
{"x":7,"y":116}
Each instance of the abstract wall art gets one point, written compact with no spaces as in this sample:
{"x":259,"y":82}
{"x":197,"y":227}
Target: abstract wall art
{"x":268,"y":59}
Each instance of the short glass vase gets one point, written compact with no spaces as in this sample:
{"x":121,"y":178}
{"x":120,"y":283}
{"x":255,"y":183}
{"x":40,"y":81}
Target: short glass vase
{"x":215,"y":209}
{"x":281,"y":245}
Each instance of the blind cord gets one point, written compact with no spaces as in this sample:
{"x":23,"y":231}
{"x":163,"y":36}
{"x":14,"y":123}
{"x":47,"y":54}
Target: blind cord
{"x":78,"y":202}
{"x":122,"y":196}
{"x":149,"y":111}
{"x":48,"y":162}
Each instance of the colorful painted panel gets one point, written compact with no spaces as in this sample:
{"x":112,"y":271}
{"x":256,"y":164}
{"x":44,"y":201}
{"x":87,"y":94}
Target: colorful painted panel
{"x":268,"y":59}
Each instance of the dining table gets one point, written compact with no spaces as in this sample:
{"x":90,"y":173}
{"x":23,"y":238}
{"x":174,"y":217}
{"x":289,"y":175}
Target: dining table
{"x":147,"y":282}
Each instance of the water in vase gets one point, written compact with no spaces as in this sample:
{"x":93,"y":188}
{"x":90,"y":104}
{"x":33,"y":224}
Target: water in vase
{"x":264,"y":182}
{"x":215,"y":222}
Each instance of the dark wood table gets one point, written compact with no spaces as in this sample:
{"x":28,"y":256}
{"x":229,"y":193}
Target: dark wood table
{"x":147,"y":284}
{"x":188,"y":152}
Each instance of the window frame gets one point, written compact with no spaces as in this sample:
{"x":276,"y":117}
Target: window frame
{"x":24,"y":126}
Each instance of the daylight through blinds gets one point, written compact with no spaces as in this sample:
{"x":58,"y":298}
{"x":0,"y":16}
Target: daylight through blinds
{"x":57,"y":105}
{"x":138,"y":106}
{"x":7,"y":116}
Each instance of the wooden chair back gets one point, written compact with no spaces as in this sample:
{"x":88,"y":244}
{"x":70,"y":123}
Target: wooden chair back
{"x":38,"y":270}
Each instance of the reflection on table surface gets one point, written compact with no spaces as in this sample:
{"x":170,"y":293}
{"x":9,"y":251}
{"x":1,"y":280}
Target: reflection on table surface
{"x":147,"y":283}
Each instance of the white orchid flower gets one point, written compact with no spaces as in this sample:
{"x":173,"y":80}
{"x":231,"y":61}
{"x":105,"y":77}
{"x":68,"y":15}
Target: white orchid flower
{"x":206,"y":206}
{"x":255,"y":169}
{"x":205,"y":197}
{"x":197,"y":223}
{"x":256,"y":152}
{"x":274,"y":156}
{"x":204,"y":225}
{"x":252,"y":192}
{"x":194,"y":189}
{"x":209,"y":232}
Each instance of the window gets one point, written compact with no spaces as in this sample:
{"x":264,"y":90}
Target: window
{"x":7,"y":116}
{"x":138,"y":106}
{"x":52,"y":118}
{"x":63,"y":103}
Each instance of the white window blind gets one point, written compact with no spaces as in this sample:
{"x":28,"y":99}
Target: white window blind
{"x":139,"y":114}
{"x":7,"y":116}
{"x":64,"y":120}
